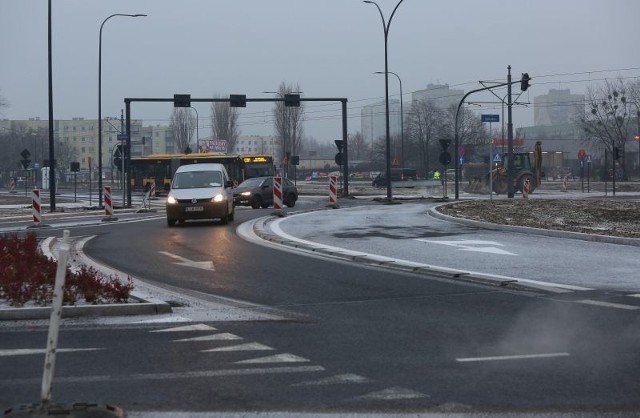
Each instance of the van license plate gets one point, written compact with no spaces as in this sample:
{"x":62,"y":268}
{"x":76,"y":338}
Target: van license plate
{"x":194,"y":209}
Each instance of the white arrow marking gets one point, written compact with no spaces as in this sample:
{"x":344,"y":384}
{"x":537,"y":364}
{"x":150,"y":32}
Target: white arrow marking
{"x":225,"y":336}
{"x":195,"y":327}
{"x":472,"y":245}
{"x":204,"y":265}
{"x":278,"y":358}
{"x":29,"y":351}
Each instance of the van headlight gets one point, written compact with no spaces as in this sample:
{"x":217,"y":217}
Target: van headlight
{"x":171,"y":200}
{"x":218,"y":198}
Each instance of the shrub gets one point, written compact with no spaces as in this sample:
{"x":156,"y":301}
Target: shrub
{"x":27,"y":275}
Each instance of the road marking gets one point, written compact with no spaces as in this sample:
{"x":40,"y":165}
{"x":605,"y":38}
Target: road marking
{"x":608,"y":304}
{"x":204,"y":265}
{"x":394,"y":393}
{"x":164,"y":319}
{"x":30,"y":351}
{"x":336,"y":380}
{"x":515,"y":357}
{"x":225,"y":336}
{"x":166,"y":376}
{"x":278,"y":358}
{"x":195,"y":327}
{"x":472,"y":245}
{"x":241,"y":347}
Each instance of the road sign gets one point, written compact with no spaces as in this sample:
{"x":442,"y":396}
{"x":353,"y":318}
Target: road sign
{"x":589,"y":160}
{"x":445,"y":158}
{"x":395,"y":162}
{"x":338,"y":158}
{"x":497,"y":158}
{"x":444,"y":143}
{"x":490,"y":118}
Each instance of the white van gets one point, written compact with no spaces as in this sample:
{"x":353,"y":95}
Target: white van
{"x":200,"y":191}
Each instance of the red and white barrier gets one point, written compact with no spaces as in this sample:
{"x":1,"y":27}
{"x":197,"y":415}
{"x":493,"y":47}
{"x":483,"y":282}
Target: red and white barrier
{"x":108,"y":205}
{"x":525,"y":189}
{"x":152,"y":190}
{"x":36,"y":208}
{"x":277,"y":192}
{"x":333,"y":190}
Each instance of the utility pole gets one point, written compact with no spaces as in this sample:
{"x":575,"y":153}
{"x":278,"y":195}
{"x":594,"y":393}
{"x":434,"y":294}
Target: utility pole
{"x":510,"y":174}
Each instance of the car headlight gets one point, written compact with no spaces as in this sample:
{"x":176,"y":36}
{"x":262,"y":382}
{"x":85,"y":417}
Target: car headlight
{"x":218,"y":198}
{"x":171,"y":200}
{"x":245,"y":194}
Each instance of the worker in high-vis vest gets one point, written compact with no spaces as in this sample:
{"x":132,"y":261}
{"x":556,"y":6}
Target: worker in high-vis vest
{"x":436,"y":175}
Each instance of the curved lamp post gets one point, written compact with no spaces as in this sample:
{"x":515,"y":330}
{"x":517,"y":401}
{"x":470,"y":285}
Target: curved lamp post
{"x":385,"y":27}
{"x":100,"y":101}
{"x":401,"y":118}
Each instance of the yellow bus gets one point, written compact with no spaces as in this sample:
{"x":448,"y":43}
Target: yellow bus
{"x":159,"y":168}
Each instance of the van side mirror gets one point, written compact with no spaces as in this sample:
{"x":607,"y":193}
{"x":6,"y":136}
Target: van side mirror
{"x":228,"y":183}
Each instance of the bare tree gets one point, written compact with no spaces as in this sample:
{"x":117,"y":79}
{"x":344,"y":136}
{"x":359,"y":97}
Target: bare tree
{"x":471,"y":131}
{"x":425,"y":120}
{"x":607,"y":117}
{"x":183,"y":124}
{"x":3,"y":104}
{"x":288,"y":122}
{"x":358,"y":148}
{"x":224,"y":123}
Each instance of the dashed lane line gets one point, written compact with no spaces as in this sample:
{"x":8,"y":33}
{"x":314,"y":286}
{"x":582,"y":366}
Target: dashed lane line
{"x":514,"y":357}
{"x":168,"y":376}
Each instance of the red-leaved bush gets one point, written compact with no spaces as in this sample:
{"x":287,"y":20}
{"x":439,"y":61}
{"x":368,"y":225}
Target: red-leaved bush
{"x":27,"y":275}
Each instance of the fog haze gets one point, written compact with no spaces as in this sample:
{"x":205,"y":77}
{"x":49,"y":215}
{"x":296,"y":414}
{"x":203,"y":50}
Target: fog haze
{"x":331,"y":48}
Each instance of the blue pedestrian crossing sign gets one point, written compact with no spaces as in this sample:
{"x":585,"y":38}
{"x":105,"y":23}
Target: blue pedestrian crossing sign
{"x":497,"y":158}
{"x":589,"y":161}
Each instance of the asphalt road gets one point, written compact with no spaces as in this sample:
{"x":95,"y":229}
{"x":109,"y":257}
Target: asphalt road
{"x":349,"y":338}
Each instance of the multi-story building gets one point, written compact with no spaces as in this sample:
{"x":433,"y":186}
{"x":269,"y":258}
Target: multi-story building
{"x":441,"y":95}
{"x":81,"y":137}
{"x":373,"y":121}
{"x":256,"y":144}
{"x":557,"y":107}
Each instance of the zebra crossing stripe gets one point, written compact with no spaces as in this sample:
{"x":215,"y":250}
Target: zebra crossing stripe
{"x":278,"y":358}
{"x":225,"y":336}
{"x":195,"y":327}
{"x":241,"y":347}
{"x":340,"y":379}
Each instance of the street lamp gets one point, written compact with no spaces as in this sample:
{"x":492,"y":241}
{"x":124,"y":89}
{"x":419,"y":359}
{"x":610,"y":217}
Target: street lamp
{"x":100,"y":102}
{"x":197,"y":131}
{"x":385,"y":27}
{"x":401,"y":118}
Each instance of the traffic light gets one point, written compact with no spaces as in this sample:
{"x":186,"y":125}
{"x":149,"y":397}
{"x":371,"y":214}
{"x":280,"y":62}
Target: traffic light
{"x":292,"y":100}
{"x":616,"y":153}
{"x":117,"y":156}
{"x":524,"y":82}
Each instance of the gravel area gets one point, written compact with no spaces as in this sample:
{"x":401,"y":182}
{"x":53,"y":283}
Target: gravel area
{"x":614,"y":217}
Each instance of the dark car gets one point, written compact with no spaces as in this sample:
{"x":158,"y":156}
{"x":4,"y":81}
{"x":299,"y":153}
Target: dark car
{"x":397,"y":174}
{"x":257,"y":192}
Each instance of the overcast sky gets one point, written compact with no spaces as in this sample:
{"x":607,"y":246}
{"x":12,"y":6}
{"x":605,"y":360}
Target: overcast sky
{"x":331,"y":48}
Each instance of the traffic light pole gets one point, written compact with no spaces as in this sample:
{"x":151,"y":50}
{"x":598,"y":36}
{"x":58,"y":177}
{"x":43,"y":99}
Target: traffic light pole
{"x":525,"y":84}
{"x":233,"y":100}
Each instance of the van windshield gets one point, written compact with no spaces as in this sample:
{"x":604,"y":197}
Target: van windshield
{"x":197,"y":179}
